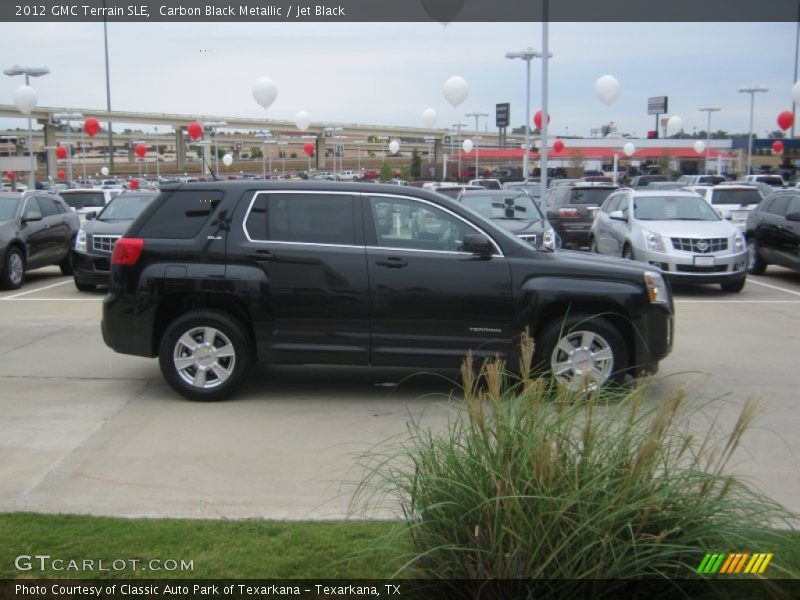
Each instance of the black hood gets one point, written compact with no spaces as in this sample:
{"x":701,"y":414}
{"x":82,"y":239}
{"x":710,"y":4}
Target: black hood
{"x":520,"y":226}
{"x":95,"y":227}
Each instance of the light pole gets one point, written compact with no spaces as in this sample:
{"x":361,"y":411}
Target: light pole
{"x":68,"y":117}
{"x":752,"y":90}
{"x":527,"y":55}
{"x":430,"y":140}
{"x":341,"y":158}
{"x":158,"y":155}
{"x":265,"y":136}
{"x":477,"y":114}
{"x":477,"y":140}
{"x":214,"y":125}
{"x":458,"y":127}
{"x":283,"y":157}
{"x":28,"y":72}
{"x":709,"y":110}
{"x":308,"y":156}
{"x":360,"y":143}
{"x":133,"y":144}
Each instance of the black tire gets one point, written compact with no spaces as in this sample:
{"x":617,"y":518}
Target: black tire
{"x":733,"y":287}
{"x":627,"y":252}
{"x":85,"y":287}
{"x":66,"y":264}
{"x":755,"y":264}
{"x":593,"y":246}
{"x":13,"y":270}
{"x":604,"y":336}
{"x":194,"y":324}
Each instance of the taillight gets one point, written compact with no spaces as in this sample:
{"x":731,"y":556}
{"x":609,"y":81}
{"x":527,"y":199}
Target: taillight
{"x":127,"y":251}
{"x":568,"y":213}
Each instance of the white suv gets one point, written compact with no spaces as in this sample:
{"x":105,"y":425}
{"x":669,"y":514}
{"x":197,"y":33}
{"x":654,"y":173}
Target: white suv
{"x":732,"y":202}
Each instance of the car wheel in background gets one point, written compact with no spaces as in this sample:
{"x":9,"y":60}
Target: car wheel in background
{"x":627,"y":253}
{"x":13,"y":270}
{"x":733,"y":287}
{"x":593,"y":246}
{"x":85,"y":287}
{"x":66,"y":264}
{"x":205,"y":354}
{"x":755,"y":264}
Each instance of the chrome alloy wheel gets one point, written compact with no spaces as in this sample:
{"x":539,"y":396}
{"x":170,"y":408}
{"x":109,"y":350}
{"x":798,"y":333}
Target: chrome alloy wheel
{"x":752,"y":254}
{"x":16,"y":269}
{"x":582,"y":360}
{"x":204,"y":357}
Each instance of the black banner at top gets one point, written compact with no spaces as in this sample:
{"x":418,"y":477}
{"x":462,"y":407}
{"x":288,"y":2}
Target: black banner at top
{"x":442,"y":11}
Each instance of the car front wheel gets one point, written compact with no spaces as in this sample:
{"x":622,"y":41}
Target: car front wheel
{"x":204,"y":355}
{"x":13,"y":270}
{"x":733,"y":287}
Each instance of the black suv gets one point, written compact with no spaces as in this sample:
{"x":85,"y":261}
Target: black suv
{"x":212,"y":275}
{"x":773,"y":233}
{"x":571,"y":208}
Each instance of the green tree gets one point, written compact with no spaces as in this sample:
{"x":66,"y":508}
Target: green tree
{"x":255,"y":152}
{"x":386,"y":172}
{"x":416,"y":165}
{"x":777,"y":134}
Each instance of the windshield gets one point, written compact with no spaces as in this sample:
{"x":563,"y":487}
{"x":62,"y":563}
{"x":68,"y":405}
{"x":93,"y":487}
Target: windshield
{"x":125,"y":207}
{"x":532,"y":189}
{"x":673,"y":208}
{"x":504,"y":207}
{"x":591,"y":196}
{"x":78,"y":200}
{"x":8,"y":208}
{"x":736,"y":197}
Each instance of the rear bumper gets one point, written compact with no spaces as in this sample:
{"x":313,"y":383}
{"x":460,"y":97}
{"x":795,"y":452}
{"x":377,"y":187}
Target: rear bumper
{"x":124,"y":330}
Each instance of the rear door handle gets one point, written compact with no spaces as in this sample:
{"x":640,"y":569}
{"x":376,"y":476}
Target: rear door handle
{"x":393,"y":262}
{"x":260,"y":256}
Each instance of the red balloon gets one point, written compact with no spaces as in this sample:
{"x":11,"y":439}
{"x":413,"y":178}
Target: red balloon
{"x":61,"y":152}
{"x":537,"y":119}
{"x":91,"y":126}
{"x":558,"y":145}
{"x":61,"y":174}
{"x":308,"y":148}
{"x":10,"y":174}
{"x":777,"y":146}
{"x":134,"y":184}
{"x":785,"y":119}
{"x":195,"y":130}
{"x":140,"y":150}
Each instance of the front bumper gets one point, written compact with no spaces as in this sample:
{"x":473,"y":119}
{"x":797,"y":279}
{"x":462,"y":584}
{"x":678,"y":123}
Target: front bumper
{"x":573,"y":232}
{"x":713,"y":267}
{"x":91,"y":268}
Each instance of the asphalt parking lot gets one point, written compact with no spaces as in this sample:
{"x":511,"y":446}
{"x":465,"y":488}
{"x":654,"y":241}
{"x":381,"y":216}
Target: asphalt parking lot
{"x":85,"y":430}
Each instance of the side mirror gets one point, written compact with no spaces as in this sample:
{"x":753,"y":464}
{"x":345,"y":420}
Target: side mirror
{"x":32,"y":216}
{"x":793,"y":216}
{"x":617,"y":215}
{"x":91,"y":215}
{"x":478,"y":244}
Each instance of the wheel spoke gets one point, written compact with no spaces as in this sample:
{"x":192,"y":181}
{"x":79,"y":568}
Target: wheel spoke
{"x":209,"y":333}
{"x":565,"y":346}
{"x":221,"y":372}
{"x":587,"y":339}
{"x":561,"y":368}
{"x":199,"y":378}
{"x":188,"y":342}
{"x":225,"y":351}
{"x":598,"y":376}
{"x":182,"y":363}
{"x":603,"y":354}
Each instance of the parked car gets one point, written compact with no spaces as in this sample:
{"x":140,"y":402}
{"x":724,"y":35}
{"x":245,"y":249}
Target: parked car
{"x":571,"y":208}
{"x":86,"y":200}
{"x":515,"y":212}
{"x":532,"y":188}
{"x":558,"y":182}
{"x":36,"y":230}
{"x":664,"y":185}
{"x":347,"y":176}
{"x":211,"y":276}
{"x":773,"y":233}
{"x":677,"y":232}
{"x":453,"y":190}
{"x":91,"y":251}
{"x":701,"y":179}
{"x":641,"y":181}
{"x":489,"y":184}
{"x":732,"y":202}
{"x":775,"y":181}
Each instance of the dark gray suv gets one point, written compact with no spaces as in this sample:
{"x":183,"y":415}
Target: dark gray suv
{"x":571,"y":208}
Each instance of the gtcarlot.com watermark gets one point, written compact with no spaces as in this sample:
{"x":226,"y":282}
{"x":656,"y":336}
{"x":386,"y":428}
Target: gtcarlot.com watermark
{"x":45,"y":562}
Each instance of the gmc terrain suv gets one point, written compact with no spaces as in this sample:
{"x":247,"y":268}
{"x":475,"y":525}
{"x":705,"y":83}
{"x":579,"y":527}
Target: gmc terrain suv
{"x":211,"y":276}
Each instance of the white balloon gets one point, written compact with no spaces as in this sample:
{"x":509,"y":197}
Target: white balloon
{"x":394,"y":146}
{"x":699,"y":147}
{"x":265,"y":91}
{"x":227,"y":159}
{"x":104,"y":171}
{"x":429,"y":118}
{"x":629,"y":148}
{"x":796,"y":92}
{"x":606,"y":88}
{"x":455,"y":90}
{"x":467,"y":146}
{"x":25,"y":99}
{"x":674,"y":125}
{"x":302,"y":119}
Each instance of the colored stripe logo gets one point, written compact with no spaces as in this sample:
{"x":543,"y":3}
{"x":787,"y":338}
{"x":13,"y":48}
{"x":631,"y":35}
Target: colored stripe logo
{"x":733,"y":563}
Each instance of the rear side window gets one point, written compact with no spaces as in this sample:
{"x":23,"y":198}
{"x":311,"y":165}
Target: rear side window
{"x":181,"y":215}
{"x":589,"y":196}
{"x":779,"y":206}
{"x":736,"y":197}
{"x":312,"y":218}
{"x":48,"y":207}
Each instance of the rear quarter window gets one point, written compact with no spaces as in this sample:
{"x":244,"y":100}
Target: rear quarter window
{"x":181,"y":215}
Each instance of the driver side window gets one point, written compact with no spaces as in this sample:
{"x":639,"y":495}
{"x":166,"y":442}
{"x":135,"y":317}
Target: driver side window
{"x":406,"y":223}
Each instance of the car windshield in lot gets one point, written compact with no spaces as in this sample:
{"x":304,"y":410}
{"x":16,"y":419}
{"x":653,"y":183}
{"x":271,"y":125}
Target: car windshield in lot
{"x":78,"y":200}
{"x":125,"y":207}
{"x":673,"y":208}
{"x":592,"y":196}
{"x":8,"y":207}
{"x":495,"y":206}
{"x":742,"y":197}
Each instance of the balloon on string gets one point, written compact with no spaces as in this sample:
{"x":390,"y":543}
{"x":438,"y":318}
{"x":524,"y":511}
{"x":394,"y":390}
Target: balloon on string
{"x":91,"y":126}
{"x":140,"y":150}
{"x":674,"y":125}
{"x":227,"y":159}
{"x":308,"y":148}
{"x":303,"y":120}
{"x":61,"y":152}
{"x":60,"y":174}
{"x":134,"y":184}
{"x":558,"y":146}
{"x":606,"y":88}
{"x":777,"y":146}
{"x":394,"y":146}
{"x":699,"y":147}
{"x":429,"y":118}
{"x":537,"y":119}
{"x":104,"y":171}
{"x":456,"y":90}
{"x":467,"y":146}
{"x":629,"y":148}
{"x":265,"y":91}
{"x":10,"y":174}
{"x":195,"y":130}
{"x":785,"y":119}
{"x":25,"y":99}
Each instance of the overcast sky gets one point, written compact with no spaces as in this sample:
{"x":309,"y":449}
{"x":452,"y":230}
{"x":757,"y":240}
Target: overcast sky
{"x":376,"y":73}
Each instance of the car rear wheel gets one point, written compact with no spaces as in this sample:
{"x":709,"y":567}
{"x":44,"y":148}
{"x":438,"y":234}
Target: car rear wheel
{"x":204,"y":355}
{"x":583,"y":353}
{"x":66,"y":264}
{"x":755,"y":264}
{"x":13,"y":270}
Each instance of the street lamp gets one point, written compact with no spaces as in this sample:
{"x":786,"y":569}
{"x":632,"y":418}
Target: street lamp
{"x":360,"y":143}
{"x":68,"y":116}
{"x":527,"y":55}
{"x":752,"y":90}
{"x":341,"y":158}
{"x":477,"y":140}
{"x":283,"y":156}
{"x":265,"y":136}
{"x":330,"y":132}
{"x":308,"y":156}
{"x":709,"y":110}
{"x":214,"y":125}
{"x":478,"y":114}
{"x":28,"y":72}
{"x":458,"y":127}
{"x":430,"y":141}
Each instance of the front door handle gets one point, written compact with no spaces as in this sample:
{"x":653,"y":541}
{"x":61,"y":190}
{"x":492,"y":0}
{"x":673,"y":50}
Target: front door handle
{"x":393,"y":262}
{"x":260,"y":256}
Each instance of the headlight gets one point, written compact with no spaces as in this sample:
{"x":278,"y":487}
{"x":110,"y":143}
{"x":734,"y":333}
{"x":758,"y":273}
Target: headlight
{"x":656,"y":288}
{"x":738,"y":243}
{"x":80,"y":241}
{"x":549,"y":239}
{"x":653,"y":241}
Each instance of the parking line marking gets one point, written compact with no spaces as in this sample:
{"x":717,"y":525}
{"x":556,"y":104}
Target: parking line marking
{"x":47,"y":287}
{"x":774,"y":287}
{"x":737,"y":301}
{"x":72,"y":300}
